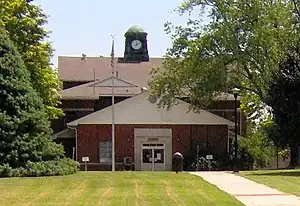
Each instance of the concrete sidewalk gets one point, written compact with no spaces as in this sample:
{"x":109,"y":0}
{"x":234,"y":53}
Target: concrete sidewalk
{"x":248,"y":192}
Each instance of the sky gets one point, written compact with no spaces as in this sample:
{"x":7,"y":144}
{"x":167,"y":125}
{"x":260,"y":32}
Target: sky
{"x":79,"y":26}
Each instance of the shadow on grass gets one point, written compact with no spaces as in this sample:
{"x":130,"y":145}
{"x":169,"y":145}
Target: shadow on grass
{"x":279,"y":173}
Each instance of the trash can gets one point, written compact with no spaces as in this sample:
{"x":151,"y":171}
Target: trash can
{"x":178,"y":161}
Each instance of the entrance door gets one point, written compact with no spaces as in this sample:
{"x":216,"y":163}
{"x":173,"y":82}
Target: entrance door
{"x":153,"y":157}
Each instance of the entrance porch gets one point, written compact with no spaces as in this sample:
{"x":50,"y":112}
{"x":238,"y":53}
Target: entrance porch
{"x":153,"y":149}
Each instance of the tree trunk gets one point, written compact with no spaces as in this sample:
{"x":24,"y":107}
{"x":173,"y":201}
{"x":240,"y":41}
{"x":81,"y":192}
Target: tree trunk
{"x":294,"y":155}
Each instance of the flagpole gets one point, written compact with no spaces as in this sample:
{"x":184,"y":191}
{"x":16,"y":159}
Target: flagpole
{"x":94,"y":81}
{"x":113,"y":106}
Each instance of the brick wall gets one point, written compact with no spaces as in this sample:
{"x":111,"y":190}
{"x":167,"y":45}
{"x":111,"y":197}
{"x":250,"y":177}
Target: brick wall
{"x":77,"y":104}
{"x":88,"y":137}
{"x":226,"y":109}
{"x":104,"y":102}
{"x":60,"y":124}
{"x":230,"y":115}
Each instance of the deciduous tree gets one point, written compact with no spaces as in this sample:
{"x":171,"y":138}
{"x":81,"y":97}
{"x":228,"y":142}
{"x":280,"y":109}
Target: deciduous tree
{"x":241,"y":45}
{"x":25,"y":22}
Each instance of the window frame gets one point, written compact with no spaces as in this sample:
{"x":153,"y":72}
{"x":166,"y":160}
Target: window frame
{"x":106,"y":155}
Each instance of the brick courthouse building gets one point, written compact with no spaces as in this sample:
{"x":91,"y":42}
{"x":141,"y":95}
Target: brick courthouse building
{"x":143,"y":132}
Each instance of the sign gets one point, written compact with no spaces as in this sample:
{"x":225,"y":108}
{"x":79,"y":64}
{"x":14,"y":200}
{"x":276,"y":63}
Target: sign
{"x":209,"y":157}
{"x":85,"y":159}
{"x":152,"y":139}
{"x":158,"y":156}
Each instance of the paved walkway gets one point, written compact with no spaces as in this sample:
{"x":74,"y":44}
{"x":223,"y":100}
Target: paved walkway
{"x":248,"y":192}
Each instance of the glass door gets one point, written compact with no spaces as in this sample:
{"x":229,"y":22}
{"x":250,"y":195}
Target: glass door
{"x":153,"y":157}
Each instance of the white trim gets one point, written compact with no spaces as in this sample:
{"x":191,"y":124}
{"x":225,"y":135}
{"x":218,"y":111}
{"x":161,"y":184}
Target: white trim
{"x":98,"y":83}
{"x":79,"y":97}
{"x":96,"y":97}
{"x":75,"y":80}
{"x":103,"y":95}
{"x":56,"y":135}
{"x":77,"y":109}
{"x":222,"y":110}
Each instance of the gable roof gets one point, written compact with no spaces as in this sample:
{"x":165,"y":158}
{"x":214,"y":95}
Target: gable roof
{"x":138,"y":110}
{"x":138,"y":74}
{"x":117,"y":83}
{"x":93,"y":90}
{"x":76,"y":69}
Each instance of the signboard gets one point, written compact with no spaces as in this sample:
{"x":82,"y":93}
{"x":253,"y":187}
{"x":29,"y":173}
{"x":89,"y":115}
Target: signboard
{"x":152,"y":139}
{"x":209,"y":157}
{"x":85,"y":159}
{"x":158,"y":156}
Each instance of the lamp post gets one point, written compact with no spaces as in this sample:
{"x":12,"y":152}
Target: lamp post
{"x":235,"y":92}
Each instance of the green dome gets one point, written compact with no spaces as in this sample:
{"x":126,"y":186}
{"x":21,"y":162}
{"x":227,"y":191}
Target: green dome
{"x":135,"y":29}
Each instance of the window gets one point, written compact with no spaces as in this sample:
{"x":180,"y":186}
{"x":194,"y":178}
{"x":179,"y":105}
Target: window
{"x":105,"y":152}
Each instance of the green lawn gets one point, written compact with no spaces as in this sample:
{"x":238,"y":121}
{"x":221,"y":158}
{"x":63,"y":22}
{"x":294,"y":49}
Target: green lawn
{"x":118,"y":188}
{"x":283,"y":180}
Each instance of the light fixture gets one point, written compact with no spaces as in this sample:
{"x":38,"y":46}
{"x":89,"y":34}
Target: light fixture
{"x":235,"y":92}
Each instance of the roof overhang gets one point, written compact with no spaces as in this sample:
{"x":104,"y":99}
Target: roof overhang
{"x":65,"y":134}
{"x":138,"y":110}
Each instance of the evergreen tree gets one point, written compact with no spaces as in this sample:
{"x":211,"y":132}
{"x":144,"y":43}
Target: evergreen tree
{"x":24,"y":126}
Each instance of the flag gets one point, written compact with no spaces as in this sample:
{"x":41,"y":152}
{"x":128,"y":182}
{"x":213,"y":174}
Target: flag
{"x":112,"y":54}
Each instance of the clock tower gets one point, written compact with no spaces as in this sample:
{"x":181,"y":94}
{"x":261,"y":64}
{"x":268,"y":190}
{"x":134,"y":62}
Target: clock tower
{"x":136,"y":49}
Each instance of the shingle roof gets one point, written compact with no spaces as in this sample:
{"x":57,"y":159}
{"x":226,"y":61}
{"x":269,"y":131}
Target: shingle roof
{"x":138,"y":110}
{"x":75,"y":69}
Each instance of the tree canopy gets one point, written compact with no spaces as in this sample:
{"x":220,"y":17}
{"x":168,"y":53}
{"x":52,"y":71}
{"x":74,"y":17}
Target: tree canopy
{"x":284,"y":98}
{"x":241,"y":45}
{"x":24,"y":126}
{"x":25,"y":22}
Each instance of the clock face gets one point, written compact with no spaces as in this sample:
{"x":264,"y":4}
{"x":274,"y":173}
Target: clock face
{"x":136,"y":44}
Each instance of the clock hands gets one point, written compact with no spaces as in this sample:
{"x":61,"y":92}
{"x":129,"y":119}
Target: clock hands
{"x":137,"y":43}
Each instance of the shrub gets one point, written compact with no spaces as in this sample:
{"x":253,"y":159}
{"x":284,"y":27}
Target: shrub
{"x":220,"y":161}
{"x":63,"y":166}
{"x":255,"y":151}
{"x":5,"y":170}
{"x":52,"y":168}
